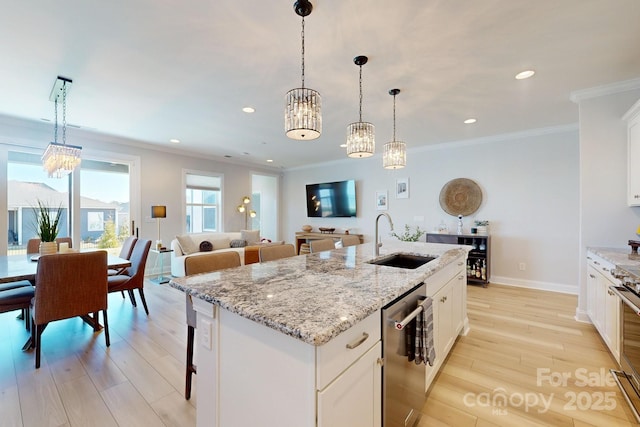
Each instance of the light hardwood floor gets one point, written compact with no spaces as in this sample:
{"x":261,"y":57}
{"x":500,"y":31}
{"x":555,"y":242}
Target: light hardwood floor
{"x":139,"y":380}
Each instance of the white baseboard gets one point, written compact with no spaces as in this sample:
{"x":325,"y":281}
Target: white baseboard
{"x":530,"y":284}
{"x":582,"y":316}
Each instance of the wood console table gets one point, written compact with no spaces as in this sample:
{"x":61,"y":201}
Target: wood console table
{"x":303,"y":237}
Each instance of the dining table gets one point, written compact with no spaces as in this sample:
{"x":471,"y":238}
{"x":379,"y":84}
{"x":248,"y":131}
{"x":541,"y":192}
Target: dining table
{"x":14,"y":268}
{"x":23,"y":267}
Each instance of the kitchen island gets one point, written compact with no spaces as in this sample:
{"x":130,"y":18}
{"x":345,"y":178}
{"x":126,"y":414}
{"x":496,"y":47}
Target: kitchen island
{"x":271,"y":337}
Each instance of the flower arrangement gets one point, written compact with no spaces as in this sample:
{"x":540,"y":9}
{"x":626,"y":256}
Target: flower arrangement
{"x":408,"y":236}
{"x":47,"y":222}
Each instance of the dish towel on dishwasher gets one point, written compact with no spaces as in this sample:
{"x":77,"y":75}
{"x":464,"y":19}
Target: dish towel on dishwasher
{"x":424,"y":349}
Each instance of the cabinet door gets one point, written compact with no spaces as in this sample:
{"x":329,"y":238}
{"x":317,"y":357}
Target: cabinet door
{"x":592,"y":285}
{"x":354,"y":398}
{"x":612,"y":321}
{"x":444,"y":325}
{"x":633,"y":157}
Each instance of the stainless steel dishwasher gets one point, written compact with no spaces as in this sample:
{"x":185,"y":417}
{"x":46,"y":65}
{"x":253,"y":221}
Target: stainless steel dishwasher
{"x":403,"y":381}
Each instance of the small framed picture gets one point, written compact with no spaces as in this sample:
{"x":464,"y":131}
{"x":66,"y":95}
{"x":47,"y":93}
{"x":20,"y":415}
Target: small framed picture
{"x":402,"y":188}
{"x":382,"y":200}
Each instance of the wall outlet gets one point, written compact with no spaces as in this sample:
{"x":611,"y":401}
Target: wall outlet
{"x":522,"y":266}
{"x":205,"y":335}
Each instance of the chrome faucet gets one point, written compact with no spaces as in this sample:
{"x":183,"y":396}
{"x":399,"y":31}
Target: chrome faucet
{"x":378,"y":242}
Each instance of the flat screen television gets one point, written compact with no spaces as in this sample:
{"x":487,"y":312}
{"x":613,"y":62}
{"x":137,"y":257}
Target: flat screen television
{"x":332,"y":199}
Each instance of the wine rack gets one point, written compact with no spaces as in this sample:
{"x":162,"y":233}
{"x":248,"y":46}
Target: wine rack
{"x":479,"y":259}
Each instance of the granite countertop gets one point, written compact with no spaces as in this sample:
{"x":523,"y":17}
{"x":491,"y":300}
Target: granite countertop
{"x":621,"y":257}
{"x":315,"y":297}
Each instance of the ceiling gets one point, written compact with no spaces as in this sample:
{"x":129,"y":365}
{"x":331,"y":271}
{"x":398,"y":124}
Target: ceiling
{"x":151,"y":71}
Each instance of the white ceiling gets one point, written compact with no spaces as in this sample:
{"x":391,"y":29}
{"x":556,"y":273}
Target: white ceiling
{"x":155,"y":70}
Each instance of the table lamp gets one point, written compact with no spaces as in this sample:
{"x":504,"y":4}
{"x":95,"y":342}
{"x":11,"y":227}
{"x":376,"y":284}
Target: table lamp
{"x":158,"y":212}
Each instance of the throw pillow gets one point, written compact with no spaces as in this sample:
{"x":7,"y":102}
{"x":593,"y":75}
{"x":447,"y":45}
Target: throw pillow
{"x":250,"y":236}
{"x":206,"y":246}
{"x":186,"y":244}
{"x":221,"y":244}
{"x":238,"y":243}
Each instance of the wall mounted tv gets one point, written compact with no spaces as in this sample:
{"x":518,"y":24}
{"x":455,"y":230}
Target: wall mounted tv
{"x":332,"y":199}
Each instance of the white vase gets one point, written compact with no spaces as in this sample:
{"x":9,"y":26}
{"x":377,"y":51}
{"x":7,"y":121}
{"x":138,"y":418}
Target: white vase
{"x":48,"y":248}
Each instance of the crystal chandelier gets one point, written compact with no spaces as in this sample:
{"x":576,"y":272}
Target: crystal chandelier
{"x":361,"y":140}
{"x":395,"y":152}
{"x":60,"y":159}
{"x":302,"y":111}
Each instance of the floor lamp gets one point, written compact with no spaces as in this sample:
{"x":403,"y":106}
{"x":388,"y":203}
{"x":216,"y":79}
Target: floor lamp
{"x":158,"y":212}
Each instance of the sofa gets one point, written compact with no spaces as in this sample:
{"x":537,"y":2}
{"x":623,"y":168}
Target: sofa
{"x":195,"y":244}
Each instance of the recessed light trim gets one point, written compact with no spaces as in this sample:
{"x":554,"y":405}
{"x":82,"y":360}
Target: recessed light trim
{"x":470,"y":121}
{"x":269,"y":160}
{"x":249,"y":110}
{"x":525,"y":74}
{"x":343,"y":145}
{"x":174,"y":141}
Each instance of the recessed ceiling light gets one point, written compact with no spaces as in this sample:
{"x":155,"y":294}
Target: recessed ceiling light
{"x":249,"y":109}
{"x":343,"y":145}
{"x":525,"y":74}
{"x":269,"y":160}
{"x":174,"y":141}
{"x":470,"y":121}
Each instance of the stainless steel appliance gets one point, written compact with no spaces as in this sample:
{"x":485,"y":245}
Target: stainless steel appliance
{"x":628,"y":378}
{"x":403,"y":381}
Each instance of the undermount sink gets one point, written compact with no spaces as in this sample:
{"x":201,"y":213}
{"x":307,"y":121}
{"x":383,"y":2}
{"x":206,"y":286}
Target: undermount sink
{"x":403,"y":261}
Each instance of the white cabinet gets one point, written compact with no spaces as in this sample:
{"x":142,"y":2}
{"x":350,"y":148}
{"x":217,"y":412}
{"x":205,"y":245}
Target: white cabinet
{"x":353,"y":398}
{"x":633,"y":154}
{"x":603,"y":306}
{"x":252,"y":375}
{"x":448,"y":291}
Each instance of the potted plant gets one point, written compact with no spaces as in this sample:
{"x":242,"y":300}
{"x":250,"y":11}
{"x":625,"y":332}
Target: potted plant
{"x":47,"y":227}
{"x":482,"y":226}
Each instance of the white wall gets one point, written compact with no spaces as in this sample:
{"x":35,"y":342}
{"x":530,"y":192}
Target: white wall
{"x":606,"y":219}
{"x":530,"y":185}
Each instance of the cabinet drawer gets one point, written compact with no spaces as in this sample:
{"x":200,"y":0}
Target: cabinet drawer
{"x":602,"y":266}
{"x":442,"y":277}
{"x":336,"y":356}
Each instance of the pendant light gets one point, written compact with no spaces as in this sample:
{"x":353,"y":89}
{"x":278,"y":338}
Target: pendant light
{"x":395,"y":152}
{"x":303,"y":106}
{"x":60,"y":159}
{"x":360,"y":135}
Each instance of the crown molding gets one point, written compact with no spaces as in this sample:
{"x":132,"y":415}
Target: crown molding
{"x":609,"y":89}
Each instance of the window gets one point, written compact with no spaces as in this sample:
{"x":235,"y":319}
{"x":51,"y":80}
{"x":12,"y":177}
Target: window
{"x":104,"y":209}
{"x":27,"y":183}
{"x":203,"y":203}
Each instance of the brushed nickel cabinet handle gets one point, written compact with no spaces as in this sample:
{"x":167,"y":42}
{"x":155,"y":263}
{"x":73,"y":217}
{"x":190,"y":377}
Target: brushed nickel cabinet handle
{"x":359,"y":341}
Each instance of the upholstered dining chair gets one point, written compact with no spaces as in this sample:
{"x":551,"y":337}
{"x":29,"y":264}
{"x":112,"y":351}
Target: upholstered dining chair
{"x":133,"y":277}
{"x":350,"y":240}
{"x":69,"y":285}
{"x":193,"y":265}
{"x":33,"y":246}
{"x":17,"y":296}
{"x":270,"y":253}
{"x":321,"y":245}
{"x":125,"y":253}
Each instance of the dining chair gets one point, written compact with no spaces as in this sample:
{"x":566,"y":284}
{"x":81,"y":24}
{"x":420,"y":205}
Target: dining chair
{"x":69,"y":285}
{"x":33,"y":246}
{"x":193,"y":265}
{"x":64,"y":240}
{"x":350,"y":240}
{"x":321,"y":245}
{"x":270,"y":253}
{"x":133,"y":277}
{"x":17,"y":296}
{"x":125,"y":253}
